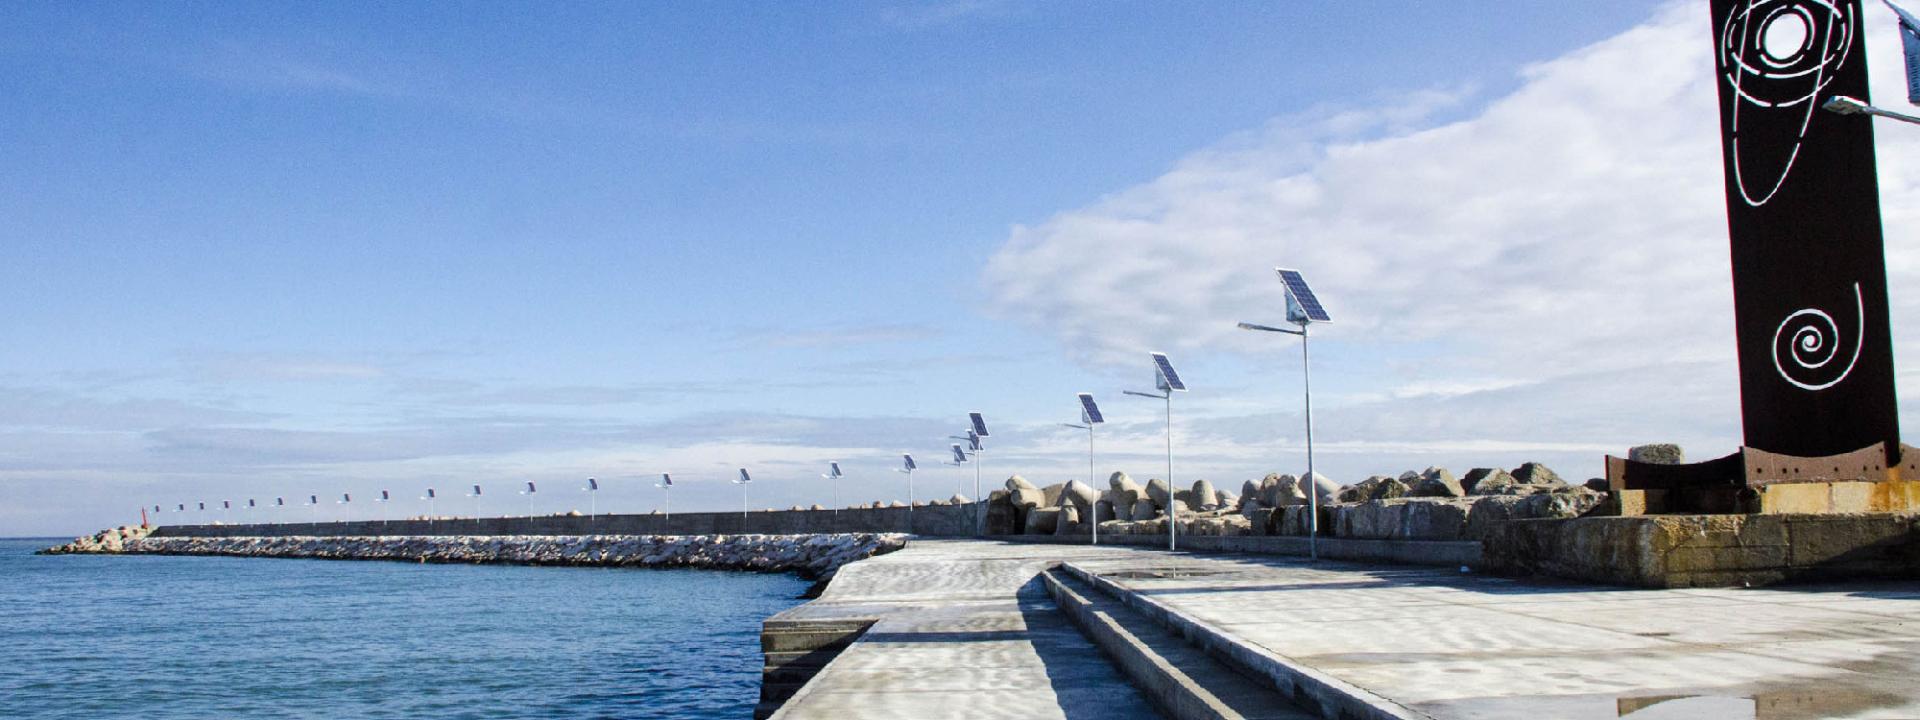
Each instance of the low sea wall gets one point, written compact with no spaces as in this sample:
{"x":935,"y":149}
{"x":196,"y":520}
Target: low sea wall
{"x":929,"y":520}
{"x":812,"y":556}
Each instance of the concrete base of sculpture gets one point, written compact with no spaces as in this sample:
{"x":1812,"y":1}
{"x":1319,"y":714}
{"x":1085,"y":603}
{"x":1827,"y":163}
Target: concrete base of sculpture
{"x":1667,"y":551}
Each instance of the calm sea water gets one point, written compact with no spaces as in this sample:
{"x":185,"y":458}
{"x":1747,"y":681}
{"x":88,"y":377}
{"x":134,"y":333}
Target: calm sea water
{"x":206,"y":637}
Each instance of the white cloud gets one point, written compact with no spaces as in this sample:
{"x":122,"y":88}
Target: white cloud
{"x":1486,"y":273}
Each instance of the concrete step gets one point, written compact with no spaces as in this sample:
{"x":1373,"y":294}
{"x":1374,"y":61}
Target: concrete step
{"x":1182,"y":680}
{"x":1315,"y":693}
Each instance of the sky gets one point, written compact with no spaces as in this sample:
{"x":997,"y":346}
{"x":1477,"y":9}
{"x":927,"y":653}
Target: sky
{"x":259,"y":250}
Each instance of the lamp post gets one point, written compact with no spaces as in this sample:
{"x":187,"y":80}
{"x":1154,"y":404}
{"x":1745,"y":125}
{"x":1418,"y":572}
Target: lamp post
{"x":666,"y":484}
{"x":1168,"y":382}
{"x":1090,"y":416}
{"x":908,"y":467}
{"x":743,"y":481}
{"x":593,"y":501}
{"x":1303,"y":309}
{"x":833,"y":474}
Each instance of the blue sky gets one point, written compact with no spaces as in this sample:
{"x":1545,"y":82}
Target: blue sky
{"x":265,"y":249}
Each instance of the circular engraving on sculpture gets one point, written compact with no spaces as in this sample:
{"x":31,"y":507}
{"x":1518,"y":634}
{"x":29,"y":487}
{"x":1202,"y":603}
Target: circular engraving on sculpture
{"x":1809,"y":340}
{"x":1776,"y":57}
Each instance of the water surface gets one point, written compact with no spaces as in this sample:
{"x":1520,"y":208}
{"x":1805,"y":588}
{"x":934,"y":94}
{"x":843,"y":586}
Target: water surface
{"x":84,"y":636}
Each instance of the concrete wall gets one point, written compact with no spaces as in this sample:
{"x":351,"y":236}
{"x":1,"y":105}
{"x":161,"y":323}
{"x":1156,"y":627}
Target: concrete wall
{"x":1710,"y":550}
{"x":932,"y":520}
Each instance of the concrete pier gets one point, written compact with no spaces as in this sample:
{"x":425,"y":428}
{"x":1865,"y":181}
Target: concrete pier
{"x":959,"y":630}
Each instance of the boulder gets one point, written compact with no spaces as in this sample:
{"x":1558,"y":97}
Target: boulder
{"x":1017,"y":483}
{"x":1569,"y":503}
{"x":1052,"y":493}
{"x":957,"y":499}
{"x":1436,"y":482}
{"x":896,"y":504}
{"x":1536,"y":474}
{"x":1188,"y":503}
{"x":1657,"y":453}
{"x":1080,"y":495}
{"x":1597,"y":485}
{"x":1069,"y":521}
{"x":1226,"y":500}
{"x":1378,"y":487}
{"x":1326,"y":488}
{"x":1488,"y":481}
{"x":1281,"y":491}
{"x":1143,"y":509}
{"x":1159,"y":493}
{"x":1204,"y":497}
{"x":1103,"y":511}
{"x":1492,"y":509}
{"x":1042,"y":521}
{"x":816,"y":506}
{"x":1435,"y":519}
{"x":1125,"y":491}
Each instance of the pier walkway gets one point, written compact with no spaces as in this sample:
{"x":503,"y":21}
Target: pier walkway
{"x":976,"y":629}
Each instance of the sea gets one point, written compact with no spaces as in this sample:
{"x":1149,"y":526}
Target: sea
{"x":91,"y":636}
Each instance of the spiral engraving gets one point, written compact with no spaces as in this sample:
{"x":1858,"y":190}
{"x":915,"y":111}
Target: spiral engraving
{"x":1809,"y":340}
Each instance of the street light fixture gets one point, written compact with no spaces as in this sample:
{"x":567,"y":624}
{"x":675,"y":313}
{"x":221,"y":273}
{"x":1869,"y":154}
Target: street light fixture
{"x":1303,"y":309}
{"x":1090,"y":415}
{"x":1168,"y":383}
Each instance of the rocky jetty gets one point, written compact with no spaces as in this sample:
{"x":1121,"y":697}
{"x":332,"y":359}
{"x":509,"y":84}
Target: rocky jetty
{"x":812,"y":556}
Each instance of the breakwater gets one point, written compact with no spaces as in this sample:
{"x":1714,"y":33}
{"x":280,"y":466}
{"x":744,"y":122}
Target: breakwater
{"x":815,"y":556}
{"x":945,"y":520}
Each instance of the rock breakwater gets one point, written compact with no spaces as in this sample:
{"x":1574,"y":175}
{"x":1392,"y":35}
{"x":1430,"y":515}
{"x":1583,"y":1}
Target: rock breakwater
{"x":812,"y":556}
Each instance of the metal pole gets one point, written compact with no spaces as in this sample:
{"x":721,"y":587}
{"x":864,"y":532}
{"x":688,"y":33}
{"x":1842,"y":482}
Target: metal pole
{"x":1313,"y":486}
{"x":909,"y":502}
{"x":1091,"y":473}
{"x":978,"y":527}
{"x":1173,"y":492}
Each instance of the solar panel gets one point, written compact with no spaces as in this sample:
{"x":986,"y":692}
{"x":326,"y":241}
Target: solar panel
{"x":224,"y":505}
{"x":909,"y":459}
{"x":530,"y":488}
{"x":959,"y":456}
{"x":744,"y":477}
{"x":384,"y":496}
{"x":1301,"y":298}
{"x":973,"y":441}
{"x":592,"y":484}
{"x":250,"y":502}
{"x":1089,"y":412}
{"x":430,"y":493}
{"x":476,"y":491}
{"x":668,"y":479}
{"x":979,"y":424}
{"x":313,"y":499}
{"x":1169,"y":380}
{"x":203,"y":506}
{"x":835,"y":471}
{"x":346,"y":498}
{"x":280,"y":501}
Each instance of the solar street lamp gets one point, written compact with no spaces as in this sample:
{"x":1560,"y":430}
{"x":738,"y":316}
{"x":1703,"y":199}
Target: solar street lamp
{"x":384,"y":499}
{"x":1090,"y":416}
{"x":313,"y":501}
{"x":593,"y":500}
{"x":346,"y":507}
{"x":833,"y":473}
{"x":429,"y":498}
{"x":226,"y":512}
{"x":250,"y":508}
{"x":666,"y":484}
{"x":743,"y":481}
{"x":476,"y":502}
{"x":908,"y":467}
{"x":529,"y":493}
{"x":974,"y":435}
{"x":1303,"y":309}
{"x":1168,"y":382}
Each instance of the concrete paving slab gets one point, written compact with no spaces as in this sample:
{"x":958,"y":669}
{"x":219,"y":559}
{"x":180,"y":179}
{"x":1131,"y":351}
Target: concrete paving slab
{"x":1462,"y":646}
{"x":961,"y":632}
